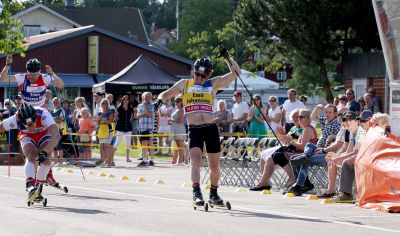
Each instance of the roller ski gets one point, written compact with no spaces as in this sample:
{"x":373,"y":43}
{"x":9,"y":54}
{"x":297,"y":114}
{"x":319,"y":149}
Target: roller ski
{"x":198,"y":200}
{"x":216,"y":201}
{"x":35,"y":196}
{"x":50,"y":181}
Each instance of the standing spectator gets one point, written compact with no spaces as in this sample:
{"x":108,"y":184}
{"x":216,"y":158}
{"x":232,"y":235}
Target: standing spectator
{"x":375,"y":100}
{"x":48,"y":102}
{"x":288,"y":106}
{"x":97,"y":100}
{"x":86,"y":128}
{"x":257,"y":127}
{"x":369,"y":104}
{"x":224,"y":117}
{"x":124,"y":116}
{"x":303,"y":99}
{"x":342,"y":101}
{"x":274,"y":113}
{"x":9,"y":109}
{"x":76,"y":114}
{"x":110,"y":99}
{"x":352,"y":104}
{"x":106,"y":118}
{"x":361,"y":101}
{"x":164,"y":114}
{"x":329,"y":124}
{"x":240,"y":112}
{"x":179,"y":131}
{"x":134,"y":103}
{"x":146,"y":125}
{"x":58,"y":116}
{"x":18,"y":101}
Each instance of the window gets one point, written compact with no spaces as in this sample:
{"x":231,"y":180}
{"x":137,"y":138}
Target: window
{"x":281,"y":75}
{"x":31,"y":30}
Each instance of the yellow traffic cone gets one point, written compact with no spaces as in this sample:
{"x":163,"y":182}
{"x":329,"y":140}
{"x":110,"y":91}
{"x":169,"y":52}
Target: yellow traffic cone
{"x":185,"y":185}
{"x":90,"y":172}
{"x":102,"y":174}
{"x":240,"y":190}
{"x":288,"y":195}
{"x":124,"y":177}
{"x":141,"y":180}
{"x":110,"y":176}
{"x":159,"y":181}
{"x":312,"y":197}
{"x":327,"y":201}
{"x":207,"y":186}
{"x":265,"y":192}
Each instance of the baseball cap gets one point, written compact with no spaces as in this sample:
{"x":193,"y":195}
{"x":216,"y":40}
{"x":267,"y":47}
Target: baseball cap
{"x":349,"y":116}
{"x":365,"y":115}
{"x":237,"y":93}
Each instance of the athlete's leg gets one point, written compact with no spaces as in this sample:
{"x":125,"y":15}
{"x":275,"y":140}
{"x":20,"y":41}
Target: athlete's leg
{"x":196,"y":158}
{"x":213,"y":162}
{"x":30,"y":152}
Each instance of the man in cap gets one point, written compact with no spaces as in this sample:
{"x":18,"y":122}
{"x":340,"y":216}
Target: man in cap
{"x":240,"y":112}
{"x":198,"y":97}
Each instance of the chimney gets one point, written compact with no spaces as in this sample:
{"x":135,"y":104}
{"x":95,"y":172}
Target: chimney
{"x":69,"y":4}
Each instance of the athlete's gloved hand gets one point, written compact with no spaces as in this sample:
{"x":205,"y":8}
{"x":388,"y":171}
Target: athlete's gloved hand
{"x":41,"y":157}
{"x":158,"y":104}
{"x":223,"y":52}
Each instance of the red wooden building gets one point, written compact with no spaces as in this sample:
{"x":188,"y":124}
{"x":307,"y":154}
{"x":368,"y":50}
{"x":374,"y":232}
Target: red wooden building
{"x":81,"y":66}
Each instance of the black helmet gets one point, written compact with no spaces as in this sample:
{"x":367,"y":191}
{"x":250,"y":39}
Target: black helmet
{"x":203,"y":66}
{"x":33,"y":65}
{"x":26,"y":114}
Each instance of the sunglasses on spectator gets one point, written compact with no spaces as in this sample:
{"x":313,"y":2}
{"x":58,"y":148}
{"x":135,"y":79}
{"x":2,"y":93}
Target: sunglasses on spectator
{"x":177,"y":101}
{"x":272,"y":100}
{"x":301,"y":117}
{"x":342,"y":98}
{"x":301,"y":100}
{"x":256,"y":98}
{"x":6,"y":104}
{"x":201,"y":75}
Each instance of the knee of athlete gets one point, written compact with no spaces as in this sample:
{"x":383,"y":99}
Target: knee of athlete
{"x":214,"y":168}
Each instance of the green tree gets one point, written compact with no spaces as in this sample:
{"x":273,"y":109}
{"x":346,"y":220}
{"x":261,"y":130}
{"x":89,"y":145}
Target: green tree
{"x":312,"y":30}
{"x":11,"y":30}
{"x":198,"y":16}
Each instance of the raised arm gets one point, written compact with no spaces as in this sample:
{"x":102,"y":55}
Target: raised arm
{"x":222,"y":81}
{"x":174,"y":91}
{"x":4,"y":73}
{"x":57,"y":81}
{"x":315,"y":112}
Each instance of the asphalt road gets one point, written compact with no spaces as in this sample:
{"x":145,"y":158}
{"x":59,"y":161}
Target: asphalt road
{"x":110,"y":206}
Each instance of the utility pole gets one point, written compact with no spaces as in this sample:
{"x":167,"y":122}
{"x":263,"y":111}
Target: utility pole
{"x":177,"y":20}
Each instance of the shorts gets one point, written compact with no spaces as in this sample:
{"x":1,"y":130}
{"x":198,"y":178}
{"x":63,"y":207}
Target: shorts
{"x":106,"y":140}
{"x":146,"y":132}
{"x":164,"y":129}
{"x":178,"y":132}
{"x":280,"y":158}
{"x":37,"y":139}
{"x":209,"y":134}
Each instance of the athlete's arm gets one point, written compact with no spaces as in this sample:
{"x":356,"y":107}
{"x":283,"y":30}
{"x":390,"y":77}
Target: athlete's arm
{"x":174,"y":91}
{"x":55,"y":137}
{"x":4,"y":73}
{"x":9,"y":123}
{"x":57,"y":81}
{"x":222,"y":81}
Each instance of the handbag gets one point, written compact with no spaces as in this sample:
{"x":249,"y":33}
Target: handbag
{"x":104,"y":131}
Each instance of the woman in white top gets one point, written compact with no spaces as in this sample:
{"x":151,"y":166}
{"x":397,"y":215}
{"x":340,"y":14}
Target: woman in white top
{"x":274,"y":113}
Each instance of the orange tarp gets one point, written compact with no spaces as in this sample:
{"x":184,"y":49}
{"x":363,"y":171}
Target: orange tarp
{"x":377,"y":171}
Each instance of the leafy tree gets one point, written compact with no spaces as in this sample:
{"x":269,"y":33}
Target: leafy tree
{"x":310,"y":29}
{"x":52,"y":3}
{"x":198,"y":16}
{"x":11,"y":30}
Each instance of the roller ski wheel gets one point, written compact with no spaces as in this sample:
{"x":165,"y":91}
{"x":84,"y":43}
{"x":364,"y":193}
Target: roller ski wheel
{"x":226,"y":205}
{"x":204,"y":206}
{"x":33,"y":193}
{"x":58,"y":186}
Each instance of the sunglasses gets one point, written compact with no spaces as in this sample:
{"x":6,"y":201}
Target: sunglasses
{"x":272,"y":100}
{"x":342,"y":98}
{"x":256,"y":98}
{"x":201,"y":75}
{"x":6,"y":104}
{"x":301,"y":117}
{"x":177,"y":101}
{"x":301,"y":100}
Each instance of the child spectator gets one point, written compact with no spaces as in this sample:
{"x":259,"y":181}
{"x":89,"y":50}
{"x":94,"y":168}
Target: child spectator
{"x":86,"y":128}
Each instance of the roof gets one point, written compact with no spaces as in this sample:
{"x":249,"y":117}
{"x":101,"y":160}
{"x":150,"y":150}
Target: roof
{"x":252,"y":82}
{"x":158,"y":32}
{"x":142,"y":71}
{"x":117,"y":20}
{"x":50,"y":38}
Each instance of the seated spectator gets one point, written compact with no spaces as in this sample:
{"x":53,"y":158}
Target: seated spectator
{"x":86,"y":128}
{"x":224,"y":117}
{"x":329,"y":124}
{"x":280,"y":156}
{"x":361,"y":101}
{"x":347,"y":159}
{"x":274,"y":115}
{"x":257,"y":112}
{"x":380,"y":120}
{"x":288,"y":106}
{"x":314,"y":155}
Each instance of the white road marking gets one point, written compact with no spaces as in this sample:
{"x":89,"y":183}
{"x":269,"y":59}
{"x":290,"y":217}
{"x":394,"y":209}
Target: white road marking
{"x":234,"y":207}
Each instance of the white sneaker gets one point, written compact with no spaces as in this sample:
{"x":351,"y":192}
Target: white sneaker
{"x":179,"y":164}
